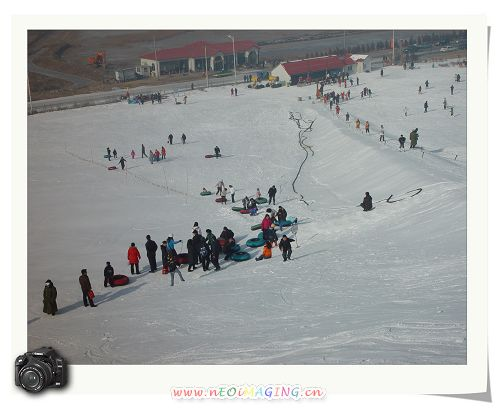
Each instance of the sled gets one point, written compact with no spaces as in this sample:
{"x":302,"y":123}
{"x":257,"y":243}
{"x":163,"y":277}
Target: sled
{"x":119,"y":280}
{"x":112,"y":168}
{"x":220,"y":200}
{"x":181,"y":258}
{"x":107,"y":156}
{"x":256,"y":227}
{"x":237,"y":208}
{"x":244,"y":211}
{"x":209,"y":156}
{"x":207,"y":193}
{"x":261,"y":200}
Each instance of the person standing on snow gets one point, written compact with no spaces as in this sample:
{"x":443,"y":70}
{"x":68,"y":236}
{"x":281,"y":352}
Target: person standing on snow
{"x":258,"y":194}
{"x":132,"y":154}
{"x":272,"y":194}
{"x":265,"y":225}
{"x":382,"y":134}
{"x":367,"y":202}
{"x":171,"y":243}
{"x":172,"y":268}
{"x":163,"y":152}
{"x":86,"y":287}
{"x":232,"y":92}
{"x":109,"y":153}
{"x":115,"y":153}
{"x":286,"y":247}
{"x":109,"y":272}
{"x":426,"y":105}
{"x":215,"y":250}
{"x":402,"y":141}
{"x":413,"y":138}
{"x":164,"y":260}
{"x":133,"y":257}
{"x":232,"y":192}
{"x":219,"y":185}
{"x":406,"y":111}
{"x":427,"y":84}
{"x":183,"y":137}
{"x":170,"y":139}
{"x":245,"y":202}
{"x":217,"y":152}
{"x":151,"y":248}
{"x":49,"y":298}
{"x":196,"y":228}
{"x":192,"y":257}
{"x":143,"y":151}
{"x":122,"y":162}
{"x":452,"y":88}
{"x":445,"y":104}
{"x":151,"y":157}
{"x":347,"y":117}
{"x":367,"y":127}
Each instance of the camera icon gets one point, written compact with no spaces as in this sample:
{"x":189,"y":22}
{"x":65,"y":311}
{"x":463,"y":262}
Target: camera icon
{"x":40,"y":369}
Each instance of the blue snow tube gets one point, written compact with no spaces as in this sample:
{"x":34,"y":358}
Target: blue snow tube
{"x":261,"y":200}
{"x":261,"y":235}
{"x":240,"y":256}
{"x":236,"y":248}
{"x":256,"y":242}
{"x":284,"y":223}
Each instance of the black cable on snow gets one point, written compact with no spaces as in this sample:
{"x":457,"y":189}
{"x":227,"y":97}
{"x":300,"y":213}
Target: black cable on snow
{"x":304,"y":126}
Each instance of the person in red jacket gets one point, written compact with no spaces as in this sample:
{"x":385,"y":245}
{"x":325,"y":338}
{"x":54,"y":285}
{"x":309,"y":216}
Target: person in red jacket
{"x":133,"y":258}
{"x":266,"y":223}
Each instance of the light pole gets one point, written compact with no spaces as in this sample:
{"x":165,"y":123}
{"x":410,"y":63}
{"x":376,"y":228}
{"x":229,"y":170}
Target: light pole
{"x":234,"y":56}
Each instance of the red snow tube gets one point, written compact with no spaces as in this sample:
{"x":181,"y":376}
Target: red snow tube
{"x":182,"y":258}
{"x":219,"y":200}
{"x":244,"y":211}
{"x":119,"y":279}
{"x":112,"y":168}
{"x":221,"y":241}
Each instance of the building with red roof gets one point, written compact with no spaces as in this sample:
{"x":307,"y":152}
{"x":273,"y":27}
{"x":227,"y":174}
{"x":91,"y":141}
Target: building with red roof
{"x":314,"y":68}
{"x":195,"y":56}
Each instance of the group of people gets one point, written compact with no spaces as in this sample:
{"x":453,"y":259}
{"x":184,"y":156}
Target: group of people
{"x":234,"y":92}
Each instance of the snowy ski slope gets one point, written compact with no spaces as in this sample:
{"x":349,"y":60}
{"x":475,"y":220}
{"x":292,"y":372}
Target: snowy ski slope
{"x":380,"y":287}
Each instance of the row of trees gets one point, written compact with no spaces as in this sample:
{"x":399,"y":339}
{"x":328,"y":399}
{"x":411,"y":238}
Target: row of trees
{"x":444,"y":38}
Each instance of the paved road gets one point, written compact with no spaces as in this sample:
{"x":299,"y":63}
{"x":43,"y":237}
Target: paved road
{"x":78,"y":82}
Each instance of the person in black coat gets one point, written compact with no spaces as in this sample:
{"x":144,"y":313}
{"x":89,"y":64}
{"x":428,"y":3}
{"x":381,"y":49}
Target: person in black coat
{"x":151,"y":248}
{"x":143,"y":152}
{"x":115,"y":153}
{"x":272,"y":194}
{"x":170,"y":138}
{"x":402,"y":141}
{"x":49,"y":298}
{"x":192,"y":257}
{"x":164,"y":251}
{"x":109,"y":153}
{"x":226,"y":234}
{"x":281,"y":214}
{"x":122,"y":162}
{"x":367,"y":202}
{"x":109,"y":272}
{"x":286,"y":247}
{"x":86,"y":287}
{"x":198,"y":241}
{"x":205,"y":256}
{"x":215,"y":251}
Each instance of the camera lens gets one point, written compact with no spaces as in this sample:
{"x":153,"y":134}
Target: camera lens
{"x":36,"y":376}
{"x":30,"y":379}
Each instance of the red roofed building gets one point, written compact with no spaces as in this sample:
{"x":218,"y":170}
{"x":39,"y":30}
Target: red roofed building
{"x":192,"y":57}
{"x":315,"y":68}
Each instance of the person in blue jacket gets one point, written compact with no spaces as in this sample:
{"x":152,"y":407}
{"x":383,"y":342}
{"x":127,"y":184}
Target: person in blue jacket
{"x":171,"y":243}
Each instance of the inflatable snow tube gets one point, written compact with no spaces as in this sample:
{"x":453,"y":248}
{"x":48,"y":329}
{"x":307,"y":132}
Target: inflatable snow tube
{"x":237,"y":209}
{"x":284,"y":223}
{"x":205,"y":193}
{"x":221,"y":241}
{"x":236,"y":248}
{"x":240,"y":256}
{"x":219,"y":200}
{"x":261,"y":200}
{"x":209,"y":156}
{"x":256,"y":227}
{"x":119,"y":279}
{"x":181,"y":258}
{"x":112,"y":168}
{"x":244,"y":211}
{"x":261,"y":235}
{"x":256,"y":242}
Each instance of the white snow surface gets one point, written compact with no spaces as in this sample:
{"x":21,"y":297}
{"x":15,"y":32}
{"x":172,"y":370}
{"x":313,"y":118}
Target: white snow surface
{"x":380,"y":287}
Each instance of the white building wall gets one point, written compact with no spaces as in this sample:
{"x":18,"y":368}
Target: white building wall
{"x":280,"y":72}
